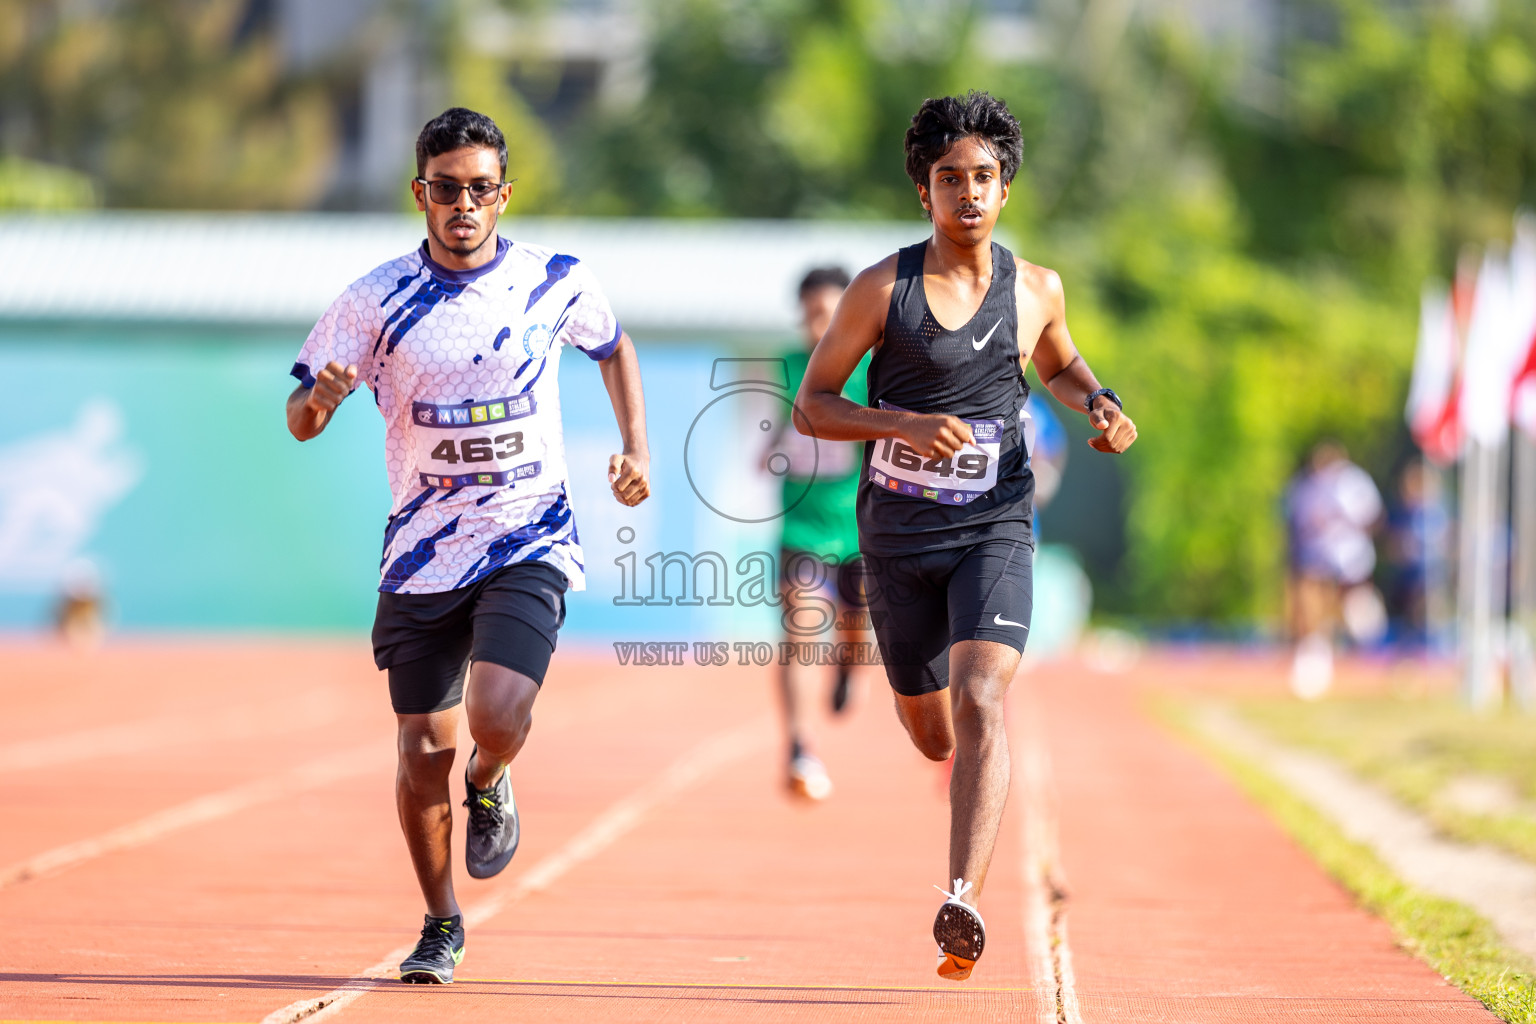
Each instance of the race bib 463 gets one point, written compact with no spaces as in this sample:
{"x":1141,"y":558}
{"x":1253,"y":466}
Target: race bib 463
{"x":484,"y":443}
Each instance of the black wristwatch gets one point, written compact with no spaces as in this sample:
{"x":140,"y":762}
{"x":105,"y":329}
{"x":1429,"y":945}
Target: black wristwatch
{"x":1108,"y":393}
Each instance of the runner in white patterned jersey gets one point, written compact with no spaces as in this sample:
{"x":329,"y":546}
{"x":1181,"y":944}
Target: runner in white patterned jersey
{"x":464,"y":367}
{"x":460,"y":343}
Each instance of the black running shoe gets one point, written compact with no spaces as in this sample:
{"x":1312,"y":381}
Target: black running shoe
{"x":437,"y":954}
{"x":840,"y":691}
{"x":493,"y":831}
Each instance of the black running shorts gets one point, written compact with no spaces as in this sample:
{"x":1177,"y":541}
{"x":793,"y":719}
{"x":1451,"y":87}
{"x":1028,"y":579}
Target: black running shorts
{"x":427,"y":641}
{"x":920,"y":604}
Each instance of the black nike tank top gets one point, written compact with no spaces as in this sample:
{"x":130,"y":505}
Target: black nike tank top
{"x":972,"y":373}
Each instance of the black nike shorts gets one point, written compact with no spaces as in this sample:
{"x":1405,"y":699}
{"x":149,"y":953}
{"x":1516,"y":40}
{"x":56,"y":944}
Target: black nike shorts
{"x":427,"y":641}
{"x":921,"y":604}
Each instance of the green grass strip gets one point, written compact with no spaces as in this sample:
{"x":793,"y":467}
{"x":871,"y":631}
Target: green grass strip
{"x":1458,"y":943}
{"x":1416,"y":748}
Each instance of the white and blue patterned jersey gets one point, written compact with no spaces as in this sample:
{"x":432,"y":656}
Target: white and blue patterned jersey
{"x":464,"y":367}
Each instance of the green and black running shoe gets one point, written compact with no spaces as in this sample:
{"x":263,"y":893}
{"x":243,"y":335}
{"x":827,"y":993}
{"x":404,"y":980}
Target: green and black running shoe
{"x":437,"y":954}
{"x":493,"y":831}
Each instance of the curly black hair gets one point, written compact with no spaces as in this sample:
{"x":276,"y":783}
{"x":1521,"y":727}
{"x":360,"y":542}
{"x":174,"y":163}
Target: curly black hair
{"x":940,"y":123}
{"x":458,"y":128}
{"x":823,"y":277}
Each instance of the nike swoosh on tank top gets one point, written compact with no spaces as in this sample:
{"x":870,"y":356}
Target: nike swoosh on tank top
{"x":922,"y":367}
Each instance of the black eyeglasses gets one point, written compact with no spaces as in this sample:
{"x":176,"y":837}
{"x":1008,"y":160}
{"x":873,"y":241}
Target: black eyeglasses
{"x":443,"y":192}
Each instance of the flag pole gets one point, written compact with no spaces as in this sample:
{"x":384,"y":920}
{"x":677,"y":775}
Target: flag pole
{"x":1522,"y":610}
{"x":1522,"y":606}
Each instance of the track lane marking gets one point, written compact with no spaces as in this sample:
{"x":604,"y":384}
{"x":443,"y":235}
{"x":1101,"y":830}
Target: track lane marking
{"x":1045,"y":890}
{"x":950,"y":990}
{"x":211,"y":807}
{"x":242,"y":721}
{"x":608,"y":827}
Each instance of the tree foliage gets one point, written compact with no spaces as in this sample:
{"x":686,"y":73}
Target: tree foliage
{"x":1242,"y":234}
{"x":165,"y":103}
{"x":787,"y":109}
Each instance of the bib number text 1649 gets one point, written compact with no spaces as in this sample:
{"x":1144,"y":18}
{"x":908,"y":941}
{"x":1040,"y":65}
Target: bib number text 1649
{"x":969,"y":466}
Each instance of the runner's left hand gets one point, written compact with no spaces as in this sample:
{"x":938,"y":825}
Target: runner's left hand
{"x":630,"y":476}
{"x":1118,"y":431}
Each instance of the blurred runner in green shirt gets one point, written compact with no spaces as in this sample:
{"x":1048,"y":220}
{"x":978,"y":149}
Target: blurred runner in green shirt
{"x":821,"y":573}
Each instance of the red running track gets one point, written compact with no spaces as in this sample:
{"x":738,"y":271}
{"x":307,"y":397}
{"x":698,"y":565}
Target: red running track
{"x":205,"y":831}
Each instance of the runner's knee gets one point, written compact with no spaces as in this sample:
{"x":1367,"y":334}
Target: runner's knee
{"x":501,"y":729}
{"x":935,"y":748}
{"x":423,"y":769}
{"x":500,"y":707}
{"x":426,"y":746}
{"x":978,"y":708}
{"x":931,"y":734}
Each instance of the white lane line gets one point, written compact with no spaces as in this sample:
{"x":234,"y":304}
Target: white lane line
{"x":211,"y":807}
{"x":1045,"y":890}
{"x":311,"y":710}
{"x":1037,"y":898}
{"x":602,"y":832}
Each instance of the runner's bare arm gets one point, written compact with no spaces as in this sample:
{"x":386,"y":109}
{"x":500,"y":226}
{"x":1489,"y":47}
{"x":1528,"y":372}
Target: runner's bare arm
{"x":310,"y":409}
{"x":821,"y":410}
{"x":629,"y":473}
{"x":1060,"y":366}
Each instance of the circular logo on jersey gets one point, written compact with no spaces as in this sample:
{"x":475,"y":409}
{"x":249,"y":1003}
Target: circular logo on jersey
{"x":536,"y":340}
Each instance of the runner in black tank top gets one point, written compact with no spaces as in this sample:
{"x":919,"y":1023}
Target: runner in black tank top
{"x":972,"y":373}
{"x":944,"y":509}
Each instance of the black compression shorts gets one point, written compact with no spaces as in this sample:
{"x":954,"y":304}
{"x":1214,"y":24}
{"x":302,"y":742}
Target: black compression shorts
{"x":427,"y":641}
{"x":921,"y":604}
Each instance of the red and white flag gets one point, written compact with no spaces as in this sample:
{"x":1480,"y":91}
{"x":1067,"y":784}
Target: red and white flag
{"x":1496,"y":349}
{"x":1522,"y":279}
{"x":1433,"y":405}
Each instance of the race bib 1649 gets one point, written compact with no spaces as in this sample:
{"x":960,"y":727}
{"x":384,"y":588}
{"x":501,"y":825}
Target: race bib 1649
{"x":958,"y":480}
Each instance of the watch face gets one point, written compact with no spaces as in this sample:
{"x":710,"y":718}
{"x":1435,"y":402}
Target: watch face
{"x":1107,"y":393}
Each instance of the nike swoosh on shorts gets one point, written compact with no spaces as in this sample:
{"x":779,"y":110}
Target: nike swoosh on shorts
{"x":1004,"y":622}
{"x":979,"y":345}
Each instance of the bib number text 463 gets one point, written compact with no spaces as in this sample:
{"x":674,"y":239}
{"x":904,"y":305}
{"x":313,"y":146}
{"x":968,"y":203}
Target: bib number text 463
{"x":479,"y":449}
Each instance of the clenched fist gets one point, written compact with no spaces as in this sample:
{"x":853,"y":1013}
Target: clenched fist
{"x":333,"y":383}
{"x":937,"y":436}
{"x":630,"y":476}
{"x":1118,"y":430}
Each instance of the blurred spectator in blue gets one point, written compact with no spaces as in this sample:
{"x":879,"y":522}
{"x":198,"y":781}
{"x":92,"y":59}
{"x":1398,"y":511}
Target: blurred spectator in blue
{"x":1417,"y":542}
{"x":1046,"y":440}
{"x":1331,"y":509}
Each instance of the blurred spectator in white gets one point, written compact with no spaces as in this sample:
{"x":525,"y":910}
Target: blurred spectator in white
{"x":1331,"y":508}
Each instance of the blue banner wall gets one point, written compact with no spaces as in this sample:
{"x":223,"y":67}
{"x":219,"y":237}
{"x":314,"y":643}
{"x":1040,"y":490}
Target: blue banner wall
{"x":159,"y":460}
